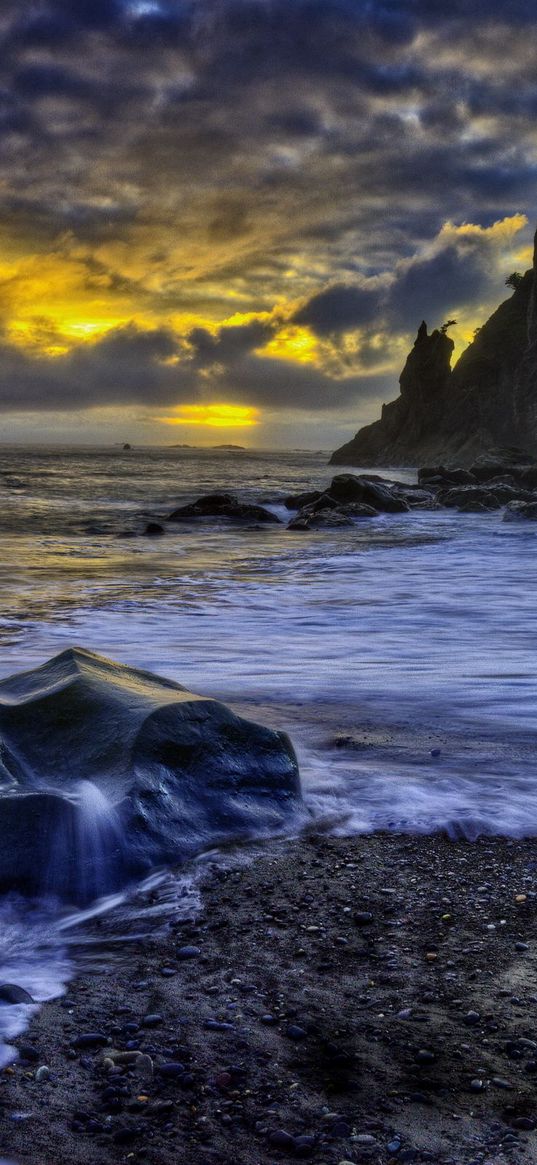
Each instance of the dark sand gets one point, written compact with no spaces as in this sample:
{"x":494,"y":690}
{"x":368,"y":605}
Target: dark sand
{"x":303,"y":1029}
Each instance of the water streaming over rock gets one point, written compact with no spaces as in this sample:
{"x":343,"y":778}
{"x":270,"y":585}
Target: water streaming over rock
{"x":87,"y":856}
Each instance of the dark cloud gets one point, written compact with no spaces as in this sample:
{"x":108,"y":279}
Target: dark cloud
{"x":131,"y":366}
{"x":340,"y":309}
{"x":230,"y":219}
{"x":430,"y":287}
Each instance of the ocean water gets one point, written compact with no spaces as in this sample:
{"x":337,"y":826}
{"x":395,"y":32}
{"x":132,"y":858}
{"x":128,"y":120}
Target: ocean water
{"x":374,"y":646}
{"x":407,"y":630}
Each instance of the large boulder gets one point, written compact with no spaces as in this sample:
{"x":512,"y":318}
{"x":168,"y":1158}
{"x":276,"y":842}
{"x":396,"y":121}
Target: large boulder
{"x":106,"y":771}
{"x":487,"y":497}
{"x":350,"y":487}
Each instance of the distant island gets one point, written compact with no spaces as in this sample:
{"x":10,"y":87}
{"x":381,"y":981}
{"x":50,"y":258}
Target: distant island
{"x":234,"y":448}
{"x":454,"y":415}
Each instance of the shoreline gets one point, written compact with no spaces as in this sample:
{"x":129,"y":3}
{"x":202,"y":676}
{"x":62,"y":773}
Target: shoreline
{"x":366,"y":998}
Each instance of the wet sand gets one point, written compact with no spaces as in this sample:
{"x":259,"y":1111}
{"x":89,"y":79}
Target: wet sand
{"x":370,"y":999}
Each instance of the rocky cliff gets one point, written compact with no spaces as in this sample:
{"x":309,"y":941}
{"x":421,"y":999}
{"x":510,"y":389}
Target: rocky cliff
{"x":455,"y":415}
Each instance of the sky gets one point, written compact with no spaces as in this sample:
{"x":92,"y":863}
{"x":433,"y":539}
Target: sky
{"x":223,"y":220}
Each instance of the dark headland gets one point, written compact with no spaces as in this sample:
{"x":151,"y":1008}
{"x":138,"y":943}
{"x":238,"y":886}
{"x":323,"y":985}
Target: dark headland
{"x":454,"y":415}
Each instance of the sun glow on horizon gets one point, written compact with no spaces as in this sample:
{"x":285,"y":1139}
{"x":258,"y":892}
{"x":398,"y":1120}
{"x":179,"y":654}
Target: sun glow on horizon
{"x":215,"y":416}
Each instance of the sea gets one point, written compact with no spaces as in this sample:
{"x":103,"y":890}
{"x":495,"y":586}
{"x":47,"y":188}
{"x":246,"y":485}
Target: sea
{"x":400,"y":653}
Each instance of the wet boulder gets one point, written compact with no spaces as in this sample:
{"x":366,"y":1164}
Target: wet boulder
{"x":521,"y":511}
{"x":440,"y":476}
{"x":329,"y":519}
{"x":297,"y":501}
{"x":107,"y":771}
{"x":484,"y":497}
{"x":349,"y":487}
{"x":224,"y":507}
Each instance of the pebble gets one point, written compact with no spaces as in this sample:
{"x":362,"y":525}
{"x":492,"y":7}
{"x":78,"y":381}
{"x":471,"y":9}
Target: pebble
{"x":281,"y":1140}
{"x":304,"y":1145}
{"x":152,"y":1020}
{"x":188,"y":952}
{"x":294,"y":1032}
{"x":393,"y":1146}
{"x":42,"y":1073}
{"x":472,"y":1017}
{"x":363,"y":918}
{"x":476,"y":1085}
{"x":522,"y":946}
{"x":28,"y":1052}
{"x":89,"y":1040}
{"x":436,"y":751}
{"x":364,"y":1139}
{"x":499,"y":1082}
{"x":171,"y":1069}
{"x":425,"y":1056}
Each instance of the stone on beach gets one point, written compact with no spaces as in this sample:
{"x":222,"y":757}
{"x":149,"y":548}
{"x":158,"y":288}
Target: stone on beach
{"x":107,"y":771}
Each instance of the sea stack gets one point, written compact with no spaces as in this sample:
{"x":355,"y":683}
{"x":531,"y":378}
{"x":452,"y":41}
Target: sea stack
{"x":453,"y":416}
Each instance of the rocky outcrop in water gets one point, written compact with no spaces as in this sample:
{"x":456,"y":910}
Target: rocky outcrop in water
{"x":223,"y":507}
{"x":106,"y":771}
{"x":455,"y":415}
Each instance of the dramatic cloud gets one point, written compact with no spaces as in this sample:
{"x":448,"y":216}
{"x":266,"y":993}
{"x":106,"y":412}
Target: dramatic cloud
{"x":174,"y":170}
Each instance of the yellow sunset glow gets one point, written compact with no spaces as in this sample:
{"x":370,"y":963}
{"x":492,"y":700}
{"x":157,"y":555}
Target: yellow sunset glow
{"x":215,"y":416}
{"x":292,"y":343}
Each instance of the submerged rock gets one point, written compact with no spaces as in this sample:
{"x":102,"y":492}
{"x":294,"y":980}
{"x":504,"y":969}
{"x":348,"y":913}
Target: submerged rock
{"x":106,"y":771}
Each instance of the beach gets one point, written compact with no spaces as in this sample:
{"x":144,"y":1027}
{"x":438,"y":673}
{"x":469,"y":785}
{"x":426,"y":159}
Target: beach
{"x":362,"y":986}
{"x":335,"y":999}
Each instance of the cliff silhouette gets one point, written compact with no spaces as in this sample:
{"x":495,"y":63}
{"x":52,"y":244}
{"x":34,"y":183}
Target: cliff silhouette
{"x":455,"y":415}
